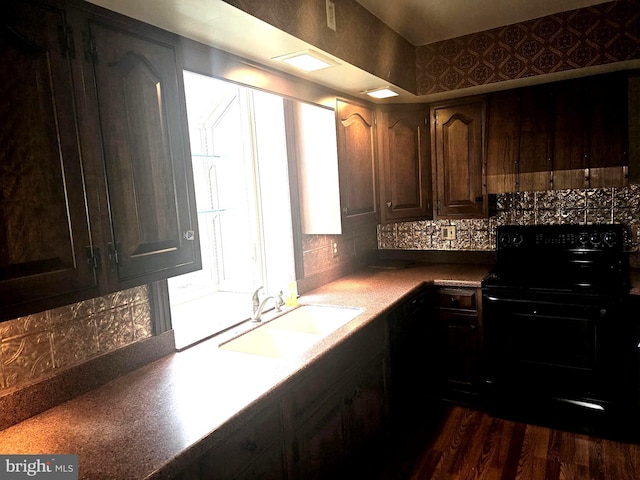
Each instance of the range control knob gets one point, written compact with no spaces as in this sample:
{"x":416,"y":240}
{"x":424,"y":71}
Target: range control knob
{"x":503,"y":240}
{"x":595,"y":238}
{"x":610,"y":239}
{"x":583,"y":238}
{"x":516,"y":239}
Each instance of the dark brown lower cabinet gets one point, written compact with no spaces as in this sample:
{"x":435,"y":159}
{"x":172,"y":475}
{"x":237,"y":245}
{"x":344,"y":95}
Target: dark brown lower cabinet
{"x":331,"y":414}
{"x":412,"y":348}
{"x":254,"y":451}
{"x":338,"y":410}
{"x":459,"y":319}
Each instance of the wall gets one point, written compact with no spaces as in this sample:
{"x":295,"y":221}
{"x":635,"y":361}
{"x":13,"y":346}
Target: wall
{"x":360,"y":39}
{"x":603,"y":205}
{"x":586,"y":37}
{"x":355,"y":248}
{"x":36,"y":346}
{"x":581,"y":38}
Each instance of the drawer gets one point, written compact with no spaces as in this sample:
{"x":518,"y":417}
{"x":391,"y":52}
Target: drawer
{"x":458,"y":298}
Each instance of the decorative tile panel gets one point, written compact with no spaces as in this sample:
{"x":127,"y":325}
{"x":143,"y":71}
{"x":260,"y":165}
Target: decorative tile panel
{"x":553,"y":207}
{"x":142,"y":322}
{"x":114,"y":328}
{"x":33,"y":346}
{"x":581,"y":38}
{"x":26,"y":357}
{"x":31,"y":323}
{"x":74,"y":341}
{"x":71,"y":312}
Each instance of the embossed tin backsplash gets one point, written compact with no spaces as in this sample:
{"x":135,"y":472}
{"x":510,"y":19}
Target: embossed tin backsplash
{"x":602,"y":205}
{"x":33,"y":347}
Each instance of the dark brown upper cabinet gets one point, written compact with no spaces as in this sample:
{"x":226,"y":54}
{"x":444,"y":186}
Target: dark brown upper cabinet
{"x":503,"y":148}
{"x":608,"y":121}
{"x":535,"y":146}
{"x":94,"y":158}
{"x":405,"y":168}
{"x":570,"y":134}
{"x":356,"y":136}
{"x":140,"y":100}
{"x":45,"y":239}
{"x":590,"y":143}
{"x":633,"y":111}
{"x":457,"y":157}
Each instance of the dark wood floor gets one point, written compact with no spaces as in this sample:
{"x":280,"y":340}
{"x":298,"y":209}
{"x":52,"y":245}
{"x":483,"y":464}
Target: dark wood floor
{"x":470,"y":444}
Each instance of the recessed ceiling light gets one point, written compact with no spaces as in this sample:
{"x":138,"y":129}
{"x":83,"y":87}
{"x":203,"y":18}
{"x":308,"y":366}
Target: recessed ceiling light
{"x":307,"y":60}
{"x":384,"y":92}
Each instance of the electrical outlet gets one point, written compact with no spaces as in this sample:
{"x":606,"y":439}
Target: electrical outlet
{"x":331,"y":15}
{"x":449,"y":232}
{"x":334,"y":247}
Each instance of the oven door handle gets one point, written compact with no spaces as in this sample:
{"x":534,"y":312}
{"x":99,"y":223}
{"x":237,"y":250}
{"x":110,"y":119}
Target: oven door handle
{"x":491,"y":299}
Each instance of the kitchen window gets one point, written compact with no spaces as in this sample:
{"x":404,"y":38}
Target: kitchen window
{"x":239,"y":149}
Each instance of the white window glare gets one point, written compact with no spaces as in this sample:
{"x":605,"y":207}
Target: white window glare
{"x":241,"y":182}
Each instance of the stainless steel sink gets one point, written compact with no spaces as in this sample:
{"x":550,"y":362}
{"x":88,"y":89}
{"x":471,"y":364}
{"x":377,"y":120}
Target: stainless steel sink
{"x":292,"y":333}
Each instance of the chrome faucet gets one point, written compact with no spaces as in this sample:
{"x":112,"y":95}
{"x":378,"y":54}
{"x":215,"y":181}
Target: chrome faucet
{"x":258,"y":306}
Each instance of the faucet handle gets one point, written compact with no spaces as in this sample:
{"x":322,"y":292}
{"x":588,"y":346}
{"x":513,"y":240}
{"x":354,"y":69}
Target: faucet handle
{"x":279,"y":301}
{"x":255,"y":299}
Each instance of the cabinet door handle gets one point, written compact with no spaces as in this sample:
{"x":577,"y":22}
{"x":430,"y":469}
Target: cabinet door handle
{"x":249,"y":445}
{"x":389,"y":204}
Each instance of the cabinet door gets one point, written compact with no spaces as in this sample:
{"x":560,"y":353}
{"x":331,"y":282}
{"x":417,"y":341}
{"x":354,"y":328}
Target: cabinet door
{"x":458,"y":161}
{"x":462,"y":351}
{"x":254,"y":451}
{"x":45,"y":242}
{"x":405,"y":179}
{"x":536,"y":139}
{"x":570,"y":145}
{"x":608,"y":125}
{"x":356,"y":163}
{"x":318,"y":447}
{"x":503,"y":141}
{"x":633,"y":111}
{"x":146,"y":156}
{"x":367,"y":407}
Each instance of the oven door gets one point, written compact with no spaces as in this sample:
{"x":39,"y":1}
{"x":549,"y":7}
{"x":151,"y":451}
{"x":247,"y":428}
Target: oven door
{"x":541,"y":346}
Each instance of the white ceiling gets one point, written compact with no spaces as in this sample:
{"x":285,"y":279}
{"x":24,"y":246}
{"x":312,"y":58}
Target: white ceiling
{"x":428,"y":21}
{"x":216,"y":23}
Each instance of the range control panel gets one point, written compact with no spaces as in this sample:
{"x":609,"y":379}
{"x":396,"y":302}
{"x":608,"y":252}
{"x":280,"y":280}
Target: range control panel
{"x":560,"y":237}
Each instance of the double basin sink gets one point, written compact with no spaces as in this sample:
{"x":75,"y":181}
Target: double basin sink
{"x":292,"y":333}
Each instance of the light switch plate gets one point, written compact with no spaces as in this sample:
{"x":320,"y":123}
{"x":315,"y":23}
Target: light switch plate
{"x":331,"y":15}
{"x":449,"y":232}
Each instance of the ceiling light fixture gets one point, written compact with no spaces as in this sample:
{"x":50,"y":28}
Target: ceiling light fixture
{"x":307,"y":60}
{"x":384,"y":92}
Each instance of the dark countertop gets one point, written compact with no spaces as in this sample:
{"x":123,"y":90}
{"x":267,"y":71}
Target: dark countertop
{"x":154,"y":421}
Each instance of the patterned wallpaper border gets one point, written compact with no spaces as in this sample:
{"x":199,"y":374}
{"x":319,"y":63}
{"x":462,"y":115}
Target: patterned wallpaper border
{"x":586,"y":37}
